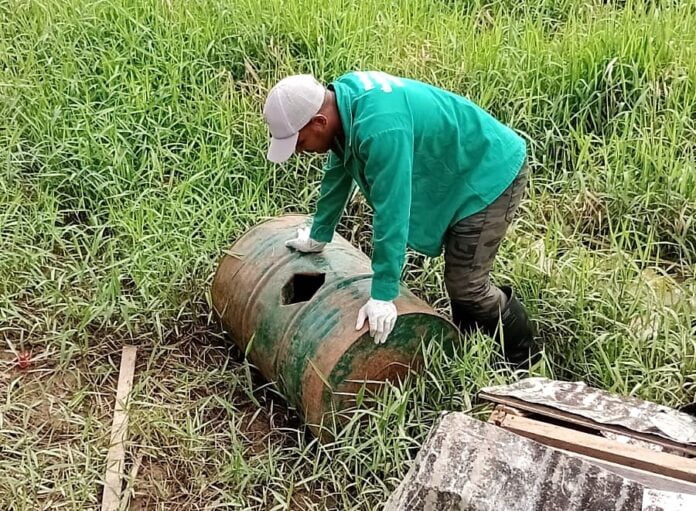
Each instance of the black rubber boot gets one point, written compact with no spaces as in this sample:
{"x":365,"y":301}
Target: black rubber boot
{"x":519,"y":346}
{"x":518,"y":332}
{"x":462,"y":319}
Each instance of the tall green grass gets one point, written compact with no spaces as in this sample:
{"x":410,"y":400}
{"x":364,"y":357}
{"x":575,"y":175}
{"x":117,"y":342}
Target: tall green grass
{"x":132,"y":152}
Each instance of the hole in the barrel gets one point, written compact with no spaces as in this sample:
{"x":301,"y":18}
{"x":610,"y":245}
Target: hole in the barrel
{"x":302,"y":287}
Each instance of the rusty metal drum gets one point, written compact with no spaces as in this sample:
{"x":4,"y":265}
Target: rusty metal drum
{"x":294,"y":316}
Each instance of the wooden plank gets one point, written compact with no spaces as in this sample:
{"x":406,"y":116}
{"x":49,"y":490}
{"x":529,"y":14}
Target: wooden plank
{"x":647,"y":479}
{"x":468,"y":464}
{"x":602,"y":448}
{"x":497,"y":416}
{"x":130,"y":483}
{"x":553,"y":413}
{"x":114,"y":459}
{"x":502,"y":410}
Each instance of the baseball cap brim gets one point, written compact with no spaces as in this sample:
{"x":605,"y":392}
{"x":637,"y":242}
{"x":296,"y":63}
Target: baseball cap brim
{"x":280,"y":149}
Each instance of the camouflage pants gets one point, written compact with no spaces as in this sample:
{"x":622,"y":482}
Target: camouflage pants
{"x":470,"y":248}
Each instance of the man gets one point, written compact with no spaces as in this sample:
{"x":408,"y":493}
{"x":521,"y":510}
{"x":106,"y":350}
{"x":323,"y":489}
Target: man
{"x":436,"y":169}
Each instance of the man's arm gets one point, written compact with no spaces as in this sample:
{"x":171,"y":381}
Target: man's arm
{"x":388,"y":170}
{"x":336,"y":188}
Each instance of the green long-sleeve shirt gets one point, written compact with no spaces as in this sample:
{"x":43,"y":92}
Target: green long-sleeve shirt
{"x":423,"y":157}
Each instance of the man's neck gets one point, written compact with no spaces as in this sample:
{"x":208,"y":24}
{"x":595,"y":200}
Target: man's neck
{"x":339,"y":137}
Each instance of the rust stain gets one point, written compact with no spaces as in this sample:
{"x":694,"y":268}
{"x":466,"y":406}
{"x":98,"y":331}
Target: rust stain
{"x":309,"y":346}
{"x":373,"y":363}
{"x":331,"y":300}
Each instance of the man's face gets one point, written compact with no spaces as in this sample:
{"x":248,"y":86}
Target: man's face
{"x":315,"y":137}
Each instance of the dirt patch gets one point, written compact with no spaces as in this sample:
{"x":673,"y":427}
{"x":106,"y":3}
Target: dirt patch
{"x":152,"y":485}
{"x":44,"y":401}
{"x":197,"y":411}
{"x":302,"y":500}
{"x":257,"y":428}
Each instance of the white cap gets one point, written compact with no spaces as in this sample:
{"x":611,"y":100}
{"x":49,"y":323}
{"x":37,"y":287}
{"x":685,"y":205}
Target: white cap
{"x":290,"y":105}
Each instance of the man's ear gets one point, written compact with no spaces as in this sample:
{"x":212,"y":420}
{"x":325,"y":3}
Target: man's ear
{"x":320,"y":120}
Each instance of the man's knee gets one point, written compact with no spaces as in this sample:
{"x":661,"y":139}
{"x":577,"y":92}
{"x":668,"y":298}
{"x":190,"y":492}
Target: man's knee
{"x":468,"y":291}
{"x":481,"y":302}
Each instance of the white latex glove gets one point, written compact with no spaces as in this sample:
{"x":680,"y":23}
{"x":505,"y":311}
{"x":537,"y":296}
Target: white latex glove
{"x":303,"y":243}
{"x":381,"y":316}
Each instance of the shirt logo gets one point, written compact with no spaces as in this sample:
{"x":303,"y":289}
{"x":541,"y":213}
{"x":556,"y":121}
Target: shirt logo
{"x":371,"y":79}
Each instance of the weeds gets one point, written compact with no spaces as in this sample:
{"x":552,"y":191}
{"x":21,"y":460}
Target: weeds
{"x":132,"y":153}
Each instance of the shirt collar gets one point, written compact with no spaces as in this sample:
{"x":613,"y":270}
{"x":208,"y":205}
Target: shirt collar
{"x":346,"y":113}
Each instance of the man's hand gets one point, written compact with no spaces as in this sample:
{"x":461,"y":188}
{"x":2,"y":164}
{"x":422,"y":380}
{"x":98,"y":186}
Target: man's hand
{"x":303,"y":243}
{"x":381,"y":316}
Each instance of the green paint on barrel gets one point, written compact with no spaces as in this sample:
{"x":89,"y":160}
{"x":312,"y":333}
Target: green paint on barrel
{"x":300,"y":310}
